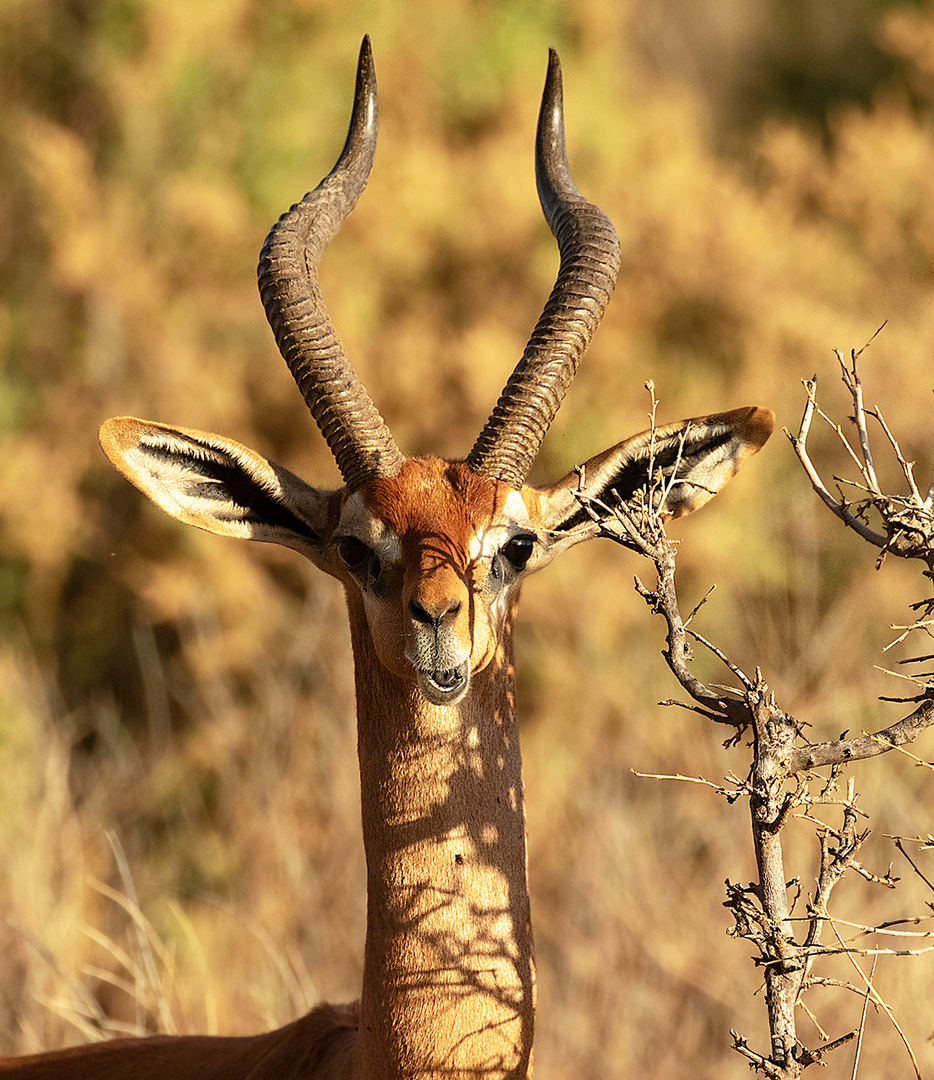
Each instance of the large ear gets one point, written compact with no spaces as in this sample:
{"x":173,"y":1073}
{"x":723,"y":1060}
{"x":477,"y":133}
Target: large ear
{"x":219,"y":485}
{"x":702,"y":453}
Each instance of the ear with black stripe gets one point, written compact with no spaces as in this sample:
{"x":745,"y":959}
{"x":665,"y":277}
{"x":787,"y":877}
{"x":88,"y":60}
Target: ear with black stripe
{"x":702,"y":453}
{"x":218,"y":485}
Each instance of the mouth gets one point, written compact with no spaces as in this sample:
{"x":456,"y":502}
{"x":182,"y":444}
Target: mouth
{"x":445,"y":687}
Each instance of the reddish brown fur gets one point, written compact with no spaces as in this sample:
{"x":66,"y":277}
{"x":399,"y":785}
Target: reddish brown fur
{"x":429,"y":491}
{"x":319,"y":1044}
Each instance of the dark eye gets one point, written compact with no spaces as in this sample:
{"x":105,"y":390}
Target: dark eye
{"x":518,"y":551}
{"x":353,"y":551}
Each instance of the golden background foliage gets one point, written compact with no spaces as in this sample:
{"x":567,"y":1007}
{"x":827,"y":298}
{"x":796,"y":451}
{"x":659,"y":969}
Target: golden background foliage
{"x":770,"y":170}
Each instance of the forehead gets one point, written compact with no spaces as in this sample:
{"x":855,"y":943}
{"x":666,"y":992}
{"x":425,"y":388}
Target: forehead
{"x":439,"y":503}
{"x":437,"y":497}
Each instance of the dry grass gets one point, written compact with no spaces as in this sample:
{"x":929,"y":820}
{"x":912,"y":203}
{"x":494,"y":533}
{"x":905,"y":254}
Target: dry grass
{"x":193,"y":696}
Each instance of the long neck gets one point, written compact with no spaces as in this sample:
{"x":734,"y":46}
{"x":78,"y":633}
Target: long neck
{"x":448,"y":985}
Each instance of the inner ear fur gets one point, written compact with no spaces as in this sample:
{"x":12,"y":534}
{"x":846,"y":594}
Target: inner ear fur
{"x":703,"y":452}
{"x":218,"y":485}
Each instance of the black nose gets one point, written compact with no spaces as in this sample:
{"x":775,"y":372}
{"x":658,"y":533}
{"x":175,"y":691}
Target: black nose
{"x":437,"y":612}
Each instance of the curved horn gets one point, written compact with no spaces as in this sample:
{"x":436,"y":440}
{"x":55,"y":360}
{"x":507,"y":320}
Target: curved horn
{"x":288,"y":284}
{"x":589,"y":250}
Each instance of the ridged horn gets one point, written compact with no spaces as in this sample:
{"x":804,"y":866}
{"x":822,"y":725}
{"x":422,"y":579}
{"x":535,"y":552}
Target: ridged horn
{"x":288,"y":283}
{"x":511,"y":438}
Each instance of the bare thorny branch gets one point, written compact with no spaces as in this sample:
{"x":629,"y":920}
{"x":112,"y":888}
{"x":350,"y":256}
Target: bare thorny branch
{"x":781,"y":775}
{"x":907,"y":521}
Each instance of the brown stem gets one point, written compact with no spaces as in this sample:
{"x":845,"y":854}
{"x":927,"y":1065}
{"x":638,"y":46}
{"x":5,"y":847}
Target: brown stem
{"x":840,"y":751}
{"x":769,"y":806}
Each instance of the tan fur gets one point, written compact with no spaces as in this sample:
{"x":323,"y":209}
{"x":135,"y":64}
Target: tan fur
{"x":448,"y":979}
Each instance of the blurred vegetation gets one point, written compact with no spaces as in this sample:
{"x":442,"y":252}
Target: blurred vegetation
{"x":770,"y":169}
